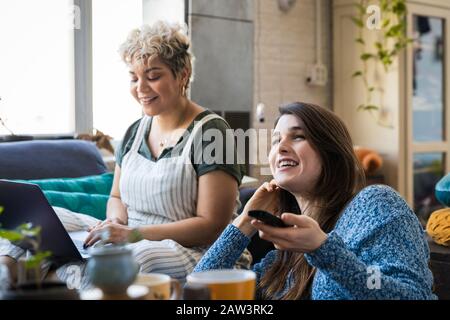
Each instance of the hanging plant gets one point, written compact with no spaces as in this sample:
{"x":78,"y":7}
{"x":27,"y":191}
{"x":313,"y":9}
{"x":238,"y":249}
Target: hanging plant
{"x":381,"y":52}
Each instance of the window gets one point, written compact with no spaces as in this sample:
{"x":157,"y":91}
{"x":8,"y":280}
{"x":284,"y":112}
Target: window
{"x":114,"y":108}
{"x":168,"y":10}
{"x":37,"y":66}
{"x":428,"y":104}
{"x":39,"y":57}
{"x":428,"y":134}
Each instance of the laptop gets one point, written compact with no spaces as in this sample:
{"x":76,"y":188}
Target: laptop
{"x":24,"y":203}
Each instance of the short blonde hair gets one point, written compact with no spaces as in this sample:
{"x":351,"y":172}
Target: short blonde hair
{"x":166,"y":41}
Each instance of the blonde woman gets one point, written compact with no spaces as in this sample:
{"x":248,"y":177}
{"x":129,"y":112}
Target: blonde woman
{"x":166,"y":201}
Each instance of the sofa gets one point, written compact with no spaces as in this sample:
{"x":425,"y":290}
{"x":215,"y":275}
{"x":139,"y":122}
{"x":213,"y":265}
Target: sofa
{"x":43,"y":159}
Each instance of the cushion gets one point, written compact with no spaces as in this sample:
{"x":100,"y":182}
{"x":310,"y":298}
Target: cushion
{"x":442,"y":190}
{"x":88,"y":195}
{"x":41,"y":159}
{"x":97,"y":184}
{"x":438,"y":226}
{"x":370,"y":160}
{"x":90,"y":204}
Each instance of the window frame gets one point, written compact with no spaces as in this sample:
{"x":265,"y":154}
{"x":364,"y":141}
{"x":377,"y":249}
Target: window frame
{"x":413,"y":147}
{"x":83,"y":69}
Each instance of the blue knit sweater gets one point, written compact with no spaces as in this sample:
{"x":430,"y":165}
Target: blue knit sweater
{"x":377,"y":234}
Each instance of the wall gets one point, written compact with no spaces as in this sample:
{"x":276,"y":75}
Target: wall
{"x":284,"y":45}
{"x":382,"y":133}
{"x":249,"y":51}
{"x":222,"y":43}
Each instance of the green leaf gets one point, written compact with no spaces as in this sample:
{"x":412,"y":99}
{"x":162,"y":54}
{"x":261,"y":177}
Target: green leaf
{"x":399,"y":45}
{"x":33,"y":232}
{"x":357,"y":74}
{"x":360,"y":40}
{"x":382,"y":54}
{"x":12,"y":236}
{"x":361,"y":8}
{"x":378,"y":45}
{"x":366,"y":56}
{"x":371,"y":89}
{"x":385,"y":23}
{"x":394,"y":31}
{"x":35,"y":260}
{"x":371,"y":107}
{"x":393,"y":53}
{"x":28,"y":230}
{"x":358,"y":22}
{"x":384,"y":5}
{"x":1,"y":210}
{"x":399,"y":8}
{"x":387,"y":61}
{"x":25,"y":226}
{"x":360,"y":107}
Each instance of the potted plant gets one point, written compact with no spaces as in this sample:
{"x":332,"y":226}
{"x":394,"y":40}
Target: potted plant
{"x":30,"y":284}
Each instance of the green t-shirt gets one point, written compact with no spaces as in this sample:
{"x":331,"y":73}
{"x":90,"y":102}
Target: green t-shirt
{"x":201,"y":166}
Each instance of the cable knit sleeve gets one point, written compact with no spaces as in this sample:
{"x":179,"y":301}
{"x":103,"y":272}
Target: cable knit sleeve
{"x":385,"y":257}
{"x":224,"y":253}
{"x":227,"y":249}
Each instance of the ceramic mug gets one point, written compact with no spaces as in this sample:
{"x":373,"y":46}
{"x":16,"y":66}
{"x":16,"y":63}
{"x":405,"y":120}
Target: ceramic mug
{"x":112,"y":268}
{"x":160,"y":286}
{"x":227,"y":284}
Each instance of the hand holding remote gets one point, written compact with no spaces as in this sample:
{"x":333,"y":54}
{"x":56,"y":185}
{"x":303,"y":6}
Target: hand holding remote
{"x":267,"y":218}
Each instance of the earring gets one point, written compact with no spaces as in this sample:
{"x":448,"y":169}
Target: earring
{"x":183,"y":91}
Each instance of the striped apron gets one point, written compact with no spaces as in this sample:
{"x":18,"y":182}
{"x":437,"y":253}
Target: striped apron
{"x":158,"y":192}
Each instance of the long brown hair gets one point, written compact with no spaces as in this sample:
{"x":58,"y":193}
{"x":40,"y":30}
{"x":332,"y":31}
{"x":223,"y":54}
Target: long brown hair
{"x":341,"y":178}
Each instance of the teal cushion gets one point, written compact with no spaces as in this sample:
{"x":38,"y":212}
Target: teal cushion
{"x":88,"y":195}
{"x":90,"y":204}
{"x":442,"y":190}
{"x":97,"y":184}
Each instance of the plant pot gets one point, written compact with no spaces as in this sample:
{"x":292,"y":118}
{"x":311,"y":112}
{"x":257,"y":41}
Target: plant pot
{"x":112,"y":268}
{"x":49,"y":290}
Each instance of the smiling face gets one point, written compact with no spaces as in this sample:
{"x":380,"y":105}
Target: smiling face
{"x":295,"y":165}
{"x":155,"y":87}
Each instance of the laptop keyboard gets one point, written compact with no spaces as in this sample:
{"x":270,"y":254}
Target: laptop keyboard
{"x":79,"y":245}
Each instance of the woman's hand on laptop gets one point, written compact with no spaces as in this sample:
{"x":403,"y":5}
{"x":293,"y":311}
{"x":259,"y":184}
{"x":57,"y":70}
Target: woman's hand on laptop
{"x":110,"y":232}
{"x":105,"y":222}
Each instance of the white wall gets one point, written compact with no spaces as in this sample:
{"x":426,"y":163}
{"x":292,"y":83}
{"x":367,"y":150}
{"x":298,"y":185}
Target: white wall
{"x":284,"y":46}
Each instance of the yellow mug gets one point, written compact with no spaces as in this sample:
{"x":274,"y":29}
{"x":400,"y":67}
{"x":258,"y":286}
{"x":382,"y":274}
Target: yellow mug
{"x":227,"y":284}
{"x":160,"y":286}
